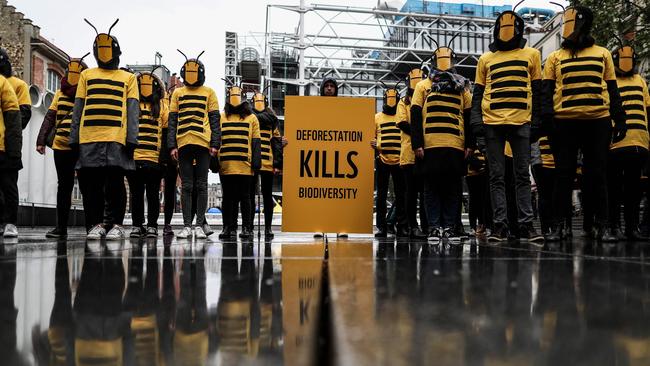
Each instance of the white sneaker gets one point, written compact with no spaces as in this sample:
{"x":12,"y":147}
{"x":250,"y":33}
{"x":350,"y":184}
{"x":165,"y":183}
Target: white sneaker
{"x":10,"y":231}
{"x":199,"y":233}
{"x":96,"y":233}
{"x":185,"y":233}
{"x":116,"y":233}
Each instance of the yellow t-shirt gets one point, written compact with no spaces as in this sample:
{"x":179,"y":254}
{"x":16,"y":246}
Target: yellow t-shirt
{"x":193,"y":105}
{"x":580,"y":82}
{"x":388,"y":138}
{"x":8,"y":102}
{"x":507,"y":77}
{"x":62,"y":105}
{"x":104,"y":116}
{"x":22,"y":91}
{"x":267,"y":152}
{"x":548,"y":160}
{"x":636,"y":100}
{"x":237,"y":134}
{"x":150,"y":133}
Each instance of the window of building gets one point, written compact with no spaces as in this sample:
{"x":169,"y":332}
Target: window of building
{"x":53,"y":81}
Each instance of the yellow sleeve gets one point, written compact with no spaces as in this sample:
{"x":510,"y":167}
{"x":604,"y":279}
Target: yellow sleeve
{"x":173,"y":107}
{"x":213,"y":103}
{"x":402,"y":115}
{"x":81,"y":85}
{"x":22,"y":93}
{"x":376,"y":126}
{"x":609,"y":73}
{"x":132,"y":91}
{"x":646,"y":94}
{"x":255,"y":131}
{"x":480,"y":71}
{"x":55,"y":102}
{"x":536,"y":66}
{"x":164,"y":114}
{"x":418,"y":95}
{"x":8,"y":97}
{"x":549,"y":67}
{"x":467,"y":99}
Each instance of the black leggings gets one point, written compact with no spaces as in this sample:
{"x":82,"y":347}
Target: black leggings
{"x":236,"y":192}
{"x":384,"y":173}
{"x":624,"y":182}
{"x":145,"y":179}
{"x":480,"y":209}
{"x":194,"y":178}
{"x":170,"y":175}
{"x":64,"y":161}
{"x":9,"y":196}
{"x":414,"y":191}
{"x":266,"y":179}
{"x":545,"y":180}
{"x":103,"y":191}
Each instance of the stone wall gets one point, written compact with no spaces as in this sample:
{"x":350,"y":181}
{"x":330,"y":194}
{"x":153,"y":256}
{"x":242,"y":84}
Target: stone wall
{"x":12,"y":35}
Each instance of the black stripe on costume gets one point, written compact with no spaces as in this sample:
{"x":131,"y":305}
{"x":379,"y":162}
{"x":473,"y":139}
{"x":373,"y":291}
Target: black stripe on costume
{"x":102,"y":123}
{"x":102,"y":112}
{"x":509,"y":94}
{"x":636,"y":126}
{"x":442,"y":109}
{"x":265,"y":135}
{"x":193,"y":97}
{"x":190,"y":120}
{"x":147,"y":147}
{"x":390,"y":144}
{"x":582,"y":90}
{"x":64,"y":108}
{"x":144,"y":112}
{"x":509,"y":105}
{"x":230,"y":140}
{"x":448,"y":130}
{"x":106,"y":82}
{"x":105,"y":101}
{"x":546,"y":151}
{"x":580,"y":59}
{"x":147,"y":130}
{"x":62,"y":133}
{"x":266,"y":150}
{"x":635,"y":117}
{"x":582,"y":102}
{"x":182,"y":106}
{"x":233,"y":149}
{"x":442,"y":119}
{"x":390,"y":152}
{"x":630,"y":88}
{"x":626,"y":98}
{"x":235,"y":125}
{"x":442,"y":98}
{"x":508,"y":64}
{"x":234,"y":133}
{"x":387,"y":124}
{"x":233,"y":157}
{"x":633,"y":107}
{"x":186,"y":114}
{"x":509,"y":84}
{"x":398,"y":138}
{"x":148,"y":138}
{"x":104,"y":91}
{"x":582,"y":79}
{"x":63,"y":125}
{"x":579,"y":68}
{"x":388,"y":131}
{"x":509,"y":73}
{"x":183,"y":130}
{"x":146,"y":121}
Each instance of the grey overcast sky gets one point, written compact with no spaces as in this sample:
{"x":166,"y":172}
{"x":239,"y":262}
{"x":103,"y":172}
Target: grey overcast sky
{"x":147,"y":26}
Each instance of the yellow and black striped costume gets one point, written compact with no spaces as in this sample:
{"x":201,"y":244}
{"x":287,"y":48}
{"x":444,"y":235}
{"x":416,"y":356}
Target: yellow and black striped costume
{"x":92,"y":352}
{"x":237,"y":134}
{"x":507,"y":77}
{"x":548,"y":161}
{"x":104,"y":117}
{"x":193,"y":105}
{"x":443,"y":120}
{"x":267,"y":152}
{"x":8,"y":103}
{"x":150,"y":133}
{"x":62,"y":106}
{"x":580,"y":82}
{"x":406,"y":155}
{"x":388,"y":137}
{"x":636,"y":101}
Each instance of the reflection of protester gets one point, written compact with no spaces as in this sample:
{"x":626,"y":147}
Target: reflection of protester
{"x":8,"y":311}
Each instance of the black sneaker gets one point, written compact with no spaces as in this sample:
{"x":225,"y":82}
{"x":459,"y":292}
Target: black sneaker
{"x":391,"y":230}
{"x":606,"y":235}
{"x":416,"y":233}
{"x":57,"y":233}
{"x":499,"y":233}
{"x":382,"y":233}
{"x":168,"y":231}
{"x":137,"y":232}
{"x":527,"y":232}
{"x":435,"y":236}
{"x":452,"y":235}
{"x":555,"y":234}
{"x":246,"y":233}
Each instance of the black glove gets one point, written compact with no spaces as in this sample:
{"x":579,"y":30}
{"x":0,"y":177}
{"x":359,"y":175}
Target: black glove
{"x":480,"y":144}
{"x":619,"y":132}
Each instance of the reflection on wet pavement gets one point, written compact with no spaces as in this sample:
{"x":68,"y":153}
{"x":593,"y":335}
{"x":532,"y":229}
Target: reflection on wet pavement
{"x":299,"y":302}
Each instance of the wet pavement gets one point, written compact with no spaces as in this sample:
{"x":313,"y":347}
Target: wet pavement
{"x":301,"y":301}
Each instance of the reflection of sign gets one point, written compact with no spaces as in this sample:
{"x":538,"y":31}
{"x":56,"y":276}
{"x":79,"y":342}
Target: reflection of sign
{"x":328,"y":165}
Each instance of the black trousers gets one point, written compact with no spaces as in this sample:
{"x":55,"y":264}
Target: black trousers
{"x":443,"y":186}
{"x":194,"y":177}
{"x":414,"y":186}
{"x":480,"y":209}
{"x":9,"y":196}
{"x":266,"y":180}
{"x":64,"y":161}
{"x":145,"y":179}
{"x":624,"y":185}
{"x":545,"y":179}
{"x":103,"y":192}
{"x":384,"y":173}
{"x":170,"y":175}
{"x":593,"y":138}
{"x":236,"y":193}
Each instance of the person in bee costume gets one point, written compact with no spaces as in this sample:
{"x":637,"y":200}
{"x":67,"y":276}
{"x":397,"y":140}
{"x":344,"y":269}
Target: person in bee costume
{"x":194,"y":135}
{"x":578,"y":111}
{"x":505,"y":107}
{"x":440,"y":106}
{"x":414,"y":186}
{"x":240,"y":157}
{"x":271,"y":148}
{"x":55,"y":133}
{"x":9,"y":211}
{"x":11,"y":141}
{"x":104,"y":131}
{"x":627,"y":157}
{"x":148,"y":171}
{"x":387,"y":143}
